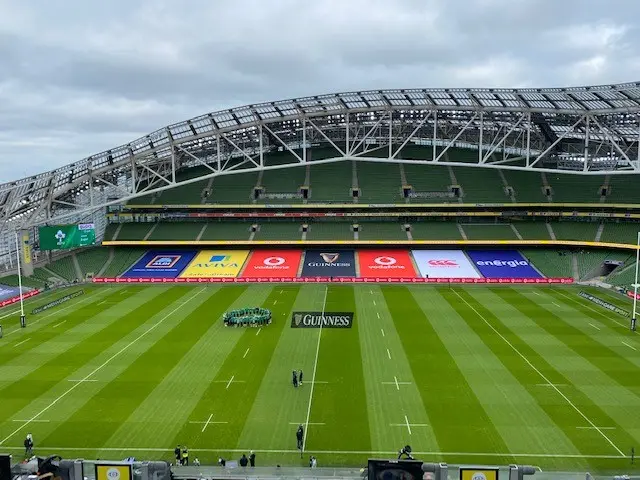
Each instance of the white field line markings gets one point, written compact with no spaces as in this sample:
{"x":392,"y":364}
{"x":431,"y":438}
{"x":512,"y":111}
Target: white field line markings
{"x":100,"y":367}
{"x":312,"y":423}
{"x":382,"y":330}
{"x":54,"y":313}
{"x":597,"y":328}
{"x":58,"y":324}
{"x":275,"y":301}
{"x":388,"y":354}
{"x":23,"y":341}
{"x":408,"y":426}
{"x":540,"y":373}
{"x":230,"y":381}
{"x":396,"y":383}
{"x":556,"y":304}
{"x":374,"y":303}
{"x":330,"y":452}
{"x":245,"y":353}
{"x":258,"y":332}
{"x":281,"y":291}
{"x":315,"y":367}
{"x":396,"y":380}
{"x":83,"y":380}
{"x":601,"y":428}
{"x":624,"y":343}
{"x":35,"y":421}
{"x":593,"y":309}
{"x":103,"y":301}
{"x":207,"y":423}
{"x":551,"y":385}
{"x":536,"y":293}
{"x":378,"y":314}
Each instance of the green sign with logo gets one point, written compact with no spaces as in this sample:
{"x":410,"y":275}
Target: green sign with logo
{"x":61,"y":237}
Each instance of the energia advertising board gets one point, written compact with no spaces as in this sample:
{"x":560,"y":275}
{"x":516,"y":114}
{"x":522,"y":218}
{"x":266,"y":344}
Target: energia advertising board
{"x":329,"y":263}
{"x":160,"y":264}
{"x":502,"y":264}
{"x":444,"y":264}
{"x":273,"y":263}
{"x":385,"y":263}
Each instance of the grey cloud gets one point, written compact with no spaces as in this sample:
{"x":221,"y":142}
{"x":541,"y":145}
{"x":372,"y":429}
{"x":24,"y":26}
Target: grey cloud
{"x":80,"y":77}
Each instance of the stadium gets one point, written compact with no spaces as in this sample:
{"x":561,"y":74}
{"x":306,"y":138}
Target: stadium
{"x":452,"y":269}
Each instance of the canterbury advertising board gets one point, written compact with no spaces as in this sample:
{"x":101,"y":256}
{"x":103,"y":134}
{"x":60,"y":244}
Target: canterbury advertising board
{"x":216,"y":264}
{"x":273,"y":263}
{"x":502,"y":264}
{"x":329,"y":263}
{"x":385,"y":263}
{"x":160,"y":264}
{"x":444,"y":264}
{"x":320,"y":319}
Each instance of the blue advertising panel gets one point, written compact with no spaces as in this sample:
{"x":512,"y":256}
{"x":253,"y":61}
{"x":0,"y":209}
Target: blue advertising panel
{"x":329,"y":263}
{"x":8,"y":292}
{"x":502,"y":264}
{"x":160,"y":264}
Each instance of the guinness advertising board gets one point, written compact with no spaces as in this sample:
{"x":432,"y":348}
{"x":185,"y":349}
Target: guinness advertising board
{"x":326,"y":319}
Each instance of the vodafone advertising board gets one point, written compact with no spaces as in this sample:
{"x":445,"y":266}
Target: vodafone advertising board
{"x":273,"y":263}
{"x":444,"y":264}
{"x":385,"y":263}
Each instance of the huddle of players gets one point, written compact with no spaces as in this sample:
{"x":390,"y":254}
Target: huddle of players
{"x":297,"y":378}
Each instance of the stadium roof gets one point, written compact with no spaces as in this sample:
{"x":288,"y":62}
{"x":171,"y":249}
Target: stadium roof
{"x":579,"y":129}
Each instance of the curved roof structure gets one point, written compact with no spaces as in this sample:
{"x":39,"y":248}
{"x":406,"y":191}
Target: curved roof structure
{"x":588,"y":130}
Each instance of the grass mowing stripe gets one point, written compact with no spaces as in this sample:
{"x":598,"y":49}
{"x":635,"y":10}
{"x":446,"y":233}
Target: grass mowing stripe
{"x":193,"y":373}
{"x":119,"y":397}
{"x":390,"y":386}
{"x":92,"y":295}
{"x":277,"y":402}
{"x":608,"y":360}
{"x":44,"y":335}
{"x":37,"y":370}
{"x":576,"y":410}
{"x":341,"y":404}
{"x":457,"y":417}
{"x":231,"y":404}
{"x":591,"y":310}
{"x":515,"y":413}
{"x":82,"y":379}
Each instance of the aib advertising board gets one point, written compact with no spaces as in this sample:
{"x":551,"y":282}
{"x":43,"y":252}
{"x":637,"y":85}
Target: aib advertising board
{"x":160,"y":264}
{"x":444,"y":264}
{"x":502,"y":264}
{"x":385,"y":263}
{"x":329,"y":263}
{"x":272,"y":264}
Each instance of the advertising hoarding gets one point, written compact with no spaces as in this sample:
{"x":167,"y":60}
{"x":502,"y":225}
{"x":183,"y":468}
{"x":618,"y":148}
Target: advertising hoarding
{"x":160,"y":264}
{"x":273,"y":263}
{"x":216,"y":263}
{"x":329,"y":263}
{"x":385,"y":263}
{"x":444,"y":264}
{"x":502,"y":264}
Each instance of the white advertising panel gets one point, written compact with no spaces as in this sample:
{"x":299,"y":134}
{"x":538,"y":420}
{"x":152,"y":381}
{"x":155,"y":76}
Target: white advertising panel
{"x":444,"y":264}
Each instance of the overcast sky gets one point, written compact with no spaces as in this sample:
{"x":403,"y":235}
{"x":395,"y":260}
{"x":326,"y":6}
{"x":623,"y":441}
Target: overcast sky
{"x":80,"y":76}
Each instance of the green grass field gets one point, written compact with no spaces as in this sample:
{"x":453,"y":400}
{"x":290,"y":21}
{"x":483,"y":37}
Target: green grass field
{"x":480,"y":375}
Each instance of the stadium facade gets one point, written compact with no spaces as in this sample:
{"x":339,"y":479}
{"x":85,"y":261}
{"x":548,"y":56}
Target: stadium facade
{"x":579,"y":130}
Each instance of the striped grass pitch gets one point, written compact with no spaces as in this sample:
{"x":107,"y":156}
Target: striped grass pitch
{"x":480,"y":375}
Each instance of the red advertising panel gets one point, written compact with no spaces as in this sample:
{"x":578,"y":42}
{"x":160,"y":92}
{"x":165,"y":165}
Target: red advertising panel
{"x":385,"y":263}
{"x":273,"y":263}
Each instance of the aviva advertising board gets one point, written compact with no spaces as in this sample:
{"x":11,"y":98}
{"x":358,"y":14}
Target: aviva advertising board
{"x":216,"y":263}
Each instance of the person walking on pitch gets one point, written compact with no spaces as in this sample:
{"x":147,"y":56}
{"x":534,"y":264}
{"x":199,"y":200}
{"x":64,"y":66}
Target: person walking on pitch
{"x":295,"y":379}
{"x":300,"y":376}
{"x":300,"y":437}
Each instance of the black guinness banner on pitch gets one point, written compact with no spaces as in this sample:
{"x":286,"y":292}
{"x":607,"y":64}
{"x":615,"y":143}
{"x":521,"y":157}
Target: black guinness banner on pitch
{"x":326,"y":319}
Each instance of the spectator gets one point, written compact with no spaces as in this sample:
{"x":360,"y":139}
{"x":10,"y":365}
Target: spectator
{"x":244,"y":461}
{"x":252,"y":459}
